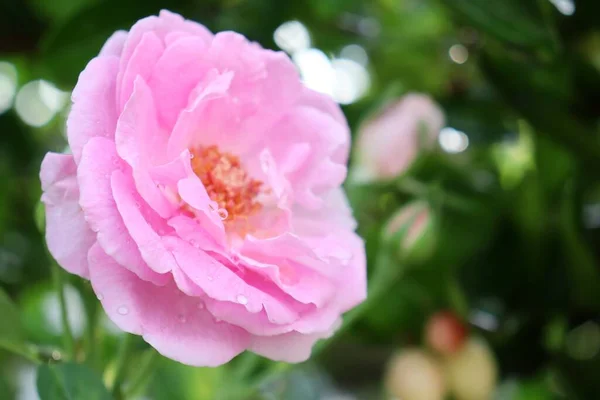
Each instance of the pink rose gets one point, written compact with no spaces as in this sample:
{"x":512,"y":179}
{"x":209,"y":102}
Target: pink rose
{"x":203,"y":197}
{"x":388,"y":143}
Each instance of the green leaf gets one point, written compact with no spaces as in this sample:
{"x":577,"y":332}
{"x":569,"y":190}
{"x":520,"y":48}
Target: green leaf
{"x":507,"y":20}
{"x":69,"y":381}
{"x":583,"y":275}
{"x":543,"y":94}
{"x":11,"y":332}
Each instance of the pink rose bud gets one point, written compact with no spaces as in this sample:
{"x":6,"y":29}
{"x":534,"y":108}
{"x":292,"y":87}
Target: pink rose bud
{"x":445,"y":333}
{"x":412,"y":374}
{"x":203,"y":197}
{"x":388,"y":143}
{"x":417,"y":239}
{"x":472,"y":373}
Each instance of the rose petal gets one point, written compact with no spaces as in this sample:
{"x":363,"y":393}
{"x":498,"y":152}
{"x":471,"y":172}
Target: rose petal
{"x":98,"y":161}
{"x":169,"y":321}
{"x":94,"y":110}
{"x":67,"y":234}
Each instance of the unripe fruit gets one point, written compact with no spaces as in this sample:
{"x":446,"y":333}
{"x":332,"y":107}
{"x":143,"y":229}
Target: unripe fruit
{"x":471,"y":373}
{"x":445,"y":333}
{"x":412,"y":374}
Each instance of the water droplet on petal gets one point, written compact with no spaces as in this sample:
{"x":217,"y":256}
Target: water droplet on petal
{"x":123,"y":310}
{"x":194,"y":243}
{"x":210,"y":278}
{"x":191,"y":156}
{"x":242,"y":299}
{"x":182,"y":318}
{"x":223,"y":214}
{"x":200,"y":306}
{"x":100,"y":296}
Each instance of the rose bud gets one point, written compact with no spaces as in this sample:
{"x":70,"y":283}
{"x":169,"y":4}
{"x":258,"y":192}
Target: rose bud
{"x":445,"y":333}
{"x":389,"y":142}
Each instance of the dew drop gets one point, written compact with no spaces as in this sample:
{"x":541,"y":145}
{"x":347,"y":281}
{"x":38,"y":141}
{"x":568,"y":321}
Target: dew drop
{"x":200,"y":306}
{"x":123,"y":310}
{"x":210,"y":278}
{"x":194,"y":243}
{"x":115,"y":161}
{"x":191,"y":156}
{"x":182,"y":318}
{"x":223,"y":214}
{"x":100,"y":297}
{"x":242,"y":299}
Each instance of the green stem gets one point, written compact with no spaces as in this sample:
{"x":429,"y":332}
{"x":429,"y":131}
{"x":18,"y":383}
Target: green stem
{"x":123,"y":358}
{"x":456,"y":298}
{"x":144,"y":372}
{"x":92,"y":333}
{"x":67,"y":335}
{"x":435,"y":194}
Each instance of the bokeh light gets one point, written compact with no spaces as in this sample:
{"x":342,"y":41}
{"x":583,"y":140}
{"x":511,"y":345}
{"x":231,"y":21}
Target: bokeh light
{"x":316,"y":70}
{"x":566,"y":7}
{"x":453,"y":141}
{"x":38,"y":101}
{"x":292,"y":36}
{"x":355,"y":53}
{"x":458,"y":54}
{"x":8,"y":85}
{"x":351,"y":81}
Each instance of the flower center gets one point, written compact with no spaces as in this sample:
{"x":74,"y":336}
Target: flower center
{"x":226,"y":182}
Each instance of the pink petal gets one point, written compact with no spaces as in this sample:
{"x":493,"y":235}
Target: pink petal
{"x":214,"y":85}
{"x":94,"y":110}
{"x":181,"y":59}
{"x":162,"y":25}
{"x":194,"y":194}
{"x":222,"y":284}
{"x":142,"y":224}
{"x":98,"y":161}
{"x":290,"y":347}
{"x":67,"y":234}
{"x":169,"y":321}
{"x":323,"y":103}
{"x":140,"y":65}
{"x":139,"y":138}
{"x":114,"y":44}
{"x":319,"y":170}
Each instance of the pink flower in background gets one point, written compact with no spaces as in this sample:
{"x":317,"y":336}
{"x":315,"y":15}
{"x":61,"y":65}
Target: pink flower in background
{"x":388,"y":143}
{"x":413,"y":225}
{"x":203,"y":197}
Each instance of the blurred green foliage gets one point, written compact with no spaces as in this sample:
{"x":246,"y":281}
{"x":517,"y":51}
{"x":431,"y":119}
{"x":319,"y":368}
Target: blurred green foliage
{"x":516,"y":216}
